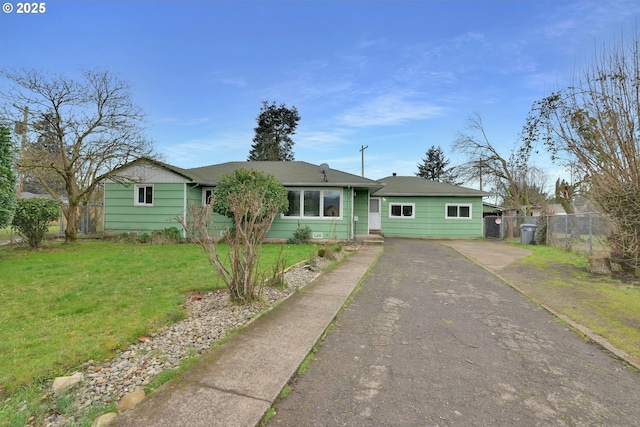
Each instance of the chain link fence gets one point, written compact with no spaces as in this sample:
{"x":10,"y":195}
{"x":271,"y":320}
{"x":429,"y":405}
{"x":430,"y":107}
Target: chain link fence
{"x":90,"y":223}
{"x":583,"y":232}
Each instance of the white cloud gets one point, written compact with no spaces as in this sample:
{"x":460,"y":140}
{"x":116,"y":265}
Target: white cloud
{"x":207,"y":150}
{"x":234,"y":81}
{"x":320,"y":140}
{"x":178,"y":121}
{"x":392,"y":108}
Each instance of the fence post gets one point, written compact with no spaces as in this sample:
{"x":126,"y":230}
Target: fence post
{"x":566,"y":232}
{"x":590,"y":234}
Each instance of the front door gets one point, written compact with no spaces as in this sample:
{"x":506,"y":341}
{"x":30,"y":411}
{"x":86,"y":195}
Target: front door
{"x":374,"y":214}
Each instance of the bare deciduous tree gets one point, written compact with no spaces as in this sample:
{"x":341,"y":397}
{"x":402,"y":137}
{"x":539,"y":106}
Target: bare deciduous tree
{"x":93,"y":123}
{"x":519,"y":184}
{"x":596,"y":121}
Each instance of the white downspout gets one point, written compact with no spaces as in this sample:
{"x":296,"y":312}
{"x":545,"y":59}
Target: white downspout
{"x":104,"y":207}
{"x":352,"y":234}
{"x":184,"y":211}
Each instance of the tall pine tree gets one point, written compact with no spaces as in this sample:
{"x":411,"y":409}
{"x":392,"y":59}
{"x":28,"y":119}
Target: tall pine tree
{"x":272,"y":140}
{"x":434,"y":167}
{"x":7,"y":178}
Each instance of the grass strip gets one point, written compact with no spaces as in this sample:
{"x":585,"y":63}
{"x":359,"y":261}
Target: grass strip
{"x":561,"y":280}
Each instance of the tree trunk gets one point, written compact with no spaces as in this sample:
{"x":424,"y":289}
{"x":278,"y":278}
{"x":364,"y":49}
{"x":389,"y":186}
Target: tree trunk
{"x":71,"y":231}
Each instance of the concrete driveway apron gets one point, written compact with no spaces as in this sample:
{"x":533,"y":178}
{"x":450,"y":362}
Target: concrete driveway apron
{"x":432,"y":339}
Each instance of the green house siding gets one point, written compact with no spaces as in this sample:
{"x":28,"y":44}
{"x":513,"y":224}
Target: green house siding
{"x":361,"y":210}
{"x":122,"y":215}
{"x":321,"y":228}
{"x":429,"y":218}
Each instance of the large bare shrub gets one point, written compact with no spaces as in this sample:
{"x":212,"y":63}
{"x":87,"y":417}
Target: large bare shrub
{"x":252,"y":200}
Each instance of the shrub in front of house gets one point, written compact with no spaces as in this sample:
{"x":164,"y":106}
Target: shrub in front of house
{"x":300,"y":235}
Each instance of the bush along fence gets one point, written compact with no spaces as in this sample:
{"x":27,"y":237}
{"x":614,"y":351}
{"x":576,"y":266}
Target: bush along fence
{"x":583,"y":232}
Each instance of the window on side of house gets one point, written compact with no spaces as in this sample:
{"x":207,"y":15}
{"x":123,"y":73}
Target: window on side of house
{"x":402,"y":210}
{"x":144,"y":195}
{"x":207,"y":193}
{"x":318,"y":204}
{"x":458,"y":211}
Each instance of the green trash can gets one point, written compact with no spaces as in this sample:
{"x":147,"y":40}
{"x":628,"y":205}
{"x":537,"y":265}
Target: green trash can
{"x":528,"y":234}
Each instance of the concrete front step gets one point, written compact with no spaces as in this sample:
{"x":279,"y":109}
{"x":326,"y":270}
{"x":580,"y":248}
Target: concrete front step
{"x":370,"y":239}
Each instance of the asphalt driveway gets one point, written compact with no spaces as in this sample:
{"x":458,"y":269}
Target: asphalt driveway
{"x":432,"y":339}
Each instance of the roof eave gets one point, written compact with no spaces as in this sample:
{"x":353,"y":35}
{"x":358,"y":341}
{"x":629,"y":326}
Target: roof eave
{"x":431,"y":195}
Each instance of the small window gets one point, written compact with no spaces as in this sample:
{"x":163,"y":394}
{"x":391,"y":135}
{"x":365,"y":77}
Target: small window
{"x":462,"y":211}
{"x":144,"y":195}
{"x":207,"y":193}
{"x":402,"y":210}
{"x":374,"y":205}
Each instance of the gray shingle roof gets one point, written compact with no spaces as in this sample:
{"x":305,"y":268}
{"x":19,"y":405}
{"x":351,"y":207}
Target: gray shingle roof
{"x":416,"y":186}
{"x":295,"y":173}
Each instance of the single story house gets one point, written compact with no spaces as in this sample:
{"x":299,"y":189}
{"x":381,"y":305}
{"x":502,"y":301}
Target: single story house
{"x":411,"y":206}
{"x":334,"y":204}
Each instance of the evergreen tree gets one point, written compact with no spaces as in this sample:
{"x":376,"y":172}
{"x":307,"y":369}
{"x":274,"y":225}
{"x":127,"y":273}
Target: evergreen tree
{"x":272,"y":140}
{"x":434,"y":167}
{"x":7,"y":179}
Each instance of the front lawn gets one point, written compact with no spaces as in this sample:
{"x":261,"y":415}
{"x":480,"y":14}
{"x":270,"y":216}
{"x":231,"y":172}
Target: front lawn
{"x":66,"y":304}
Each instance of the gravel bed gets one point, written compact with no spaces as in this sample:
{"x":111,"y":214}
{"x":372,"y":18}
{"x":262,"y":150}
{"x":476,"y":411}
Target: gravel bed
{"x":210,"y":316}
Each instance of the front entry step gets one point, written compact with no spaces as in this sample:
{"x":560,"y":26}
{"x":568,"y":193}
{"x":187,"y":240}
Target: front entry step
{"x":370,"y":239}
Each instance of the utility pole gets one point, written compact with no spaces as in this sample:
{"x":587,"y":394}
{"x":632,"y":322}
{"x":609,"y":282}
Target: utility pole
{"x":362,"y":151}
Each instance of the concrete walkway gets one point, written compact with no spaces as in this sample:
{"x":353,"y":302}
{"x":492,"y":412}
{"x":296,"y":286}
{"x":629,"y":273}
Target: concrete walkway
{"x":237,"y":382}
{"x":489,"y":254}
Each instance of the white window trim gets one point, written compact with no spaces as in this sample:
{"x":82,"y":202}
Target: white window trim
{"x":402,"y":205}
{"x":135,"y":195}
{"x":464,"y":218}
{"x":321,"y":217}
{"x":204,"y":194}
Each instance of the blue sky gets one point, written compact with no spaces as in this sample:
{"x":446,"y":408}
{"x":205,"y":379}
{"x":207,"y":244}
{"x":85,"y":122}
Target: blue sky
{"x":395,"y":76}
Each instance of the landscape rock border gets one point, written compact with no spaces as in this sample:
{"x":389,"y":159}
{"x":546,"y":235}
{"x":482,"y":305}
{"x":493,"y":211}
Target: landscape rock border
{"x":210,"y":317}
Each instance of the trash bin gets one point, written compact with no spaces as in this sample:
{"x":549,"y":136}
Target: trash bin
{"x":528,"y":234}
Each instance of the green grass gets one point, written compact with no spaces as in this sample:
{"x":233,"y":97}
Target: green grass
{"x":544,"y":256}
{"x":66,"y":304}
{"x":561,"y":280}
{"x":6,"y":234}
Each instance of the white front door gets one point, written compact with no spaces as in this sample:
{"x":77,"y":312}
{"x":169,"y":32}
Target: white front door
{"x":374,"y":214}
